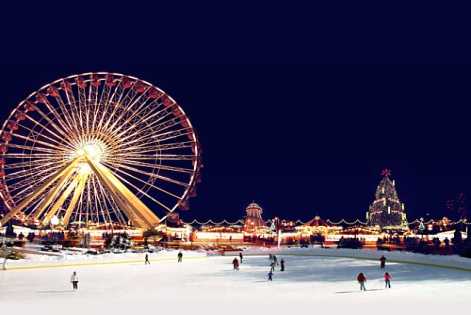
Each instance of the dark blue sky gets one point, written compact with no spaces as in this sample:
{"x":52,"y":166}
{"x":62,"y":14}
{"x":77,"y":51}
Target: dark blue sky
{"x":306,"y":140}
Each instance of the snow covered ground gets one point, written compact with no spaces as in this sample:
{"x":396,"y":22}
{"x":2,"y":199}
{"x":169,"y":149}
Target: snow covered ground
{"x":208,"y":285}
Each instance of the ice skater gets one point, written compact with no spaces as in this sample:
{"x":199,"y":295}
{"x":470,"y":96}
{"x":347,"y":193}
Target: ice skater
{"x":147,"y":262}
{"x":382,"y":262}
{"x":270,"y":275}
{"x":235,"y":263}
{"x":282,"y":264}
{"x":387,"y":280}
{"x":180,"y":256}
{"x":361,"y":280}
{"x":275,"y":260}
{"x":241,"y":257}
{"x":74,"y":280}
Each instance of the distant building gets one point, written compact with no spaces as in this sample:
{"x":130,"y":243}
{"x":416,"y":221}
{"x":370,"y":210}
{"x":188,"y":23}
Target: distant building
{"x":253,"y":219}
{"x":387,"y":211}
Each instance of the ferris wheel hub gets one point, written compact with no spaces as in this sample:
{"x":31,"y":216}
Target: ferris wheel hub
{"x":94,"y":150}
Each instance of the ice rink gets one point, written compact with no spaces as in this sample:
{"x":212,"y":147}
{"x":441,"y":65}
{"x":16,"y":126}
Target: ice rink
{"x":208,"y":285}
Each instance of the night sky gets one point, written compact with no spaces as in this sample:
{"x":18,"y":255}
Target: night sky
{"x":307,"y":140}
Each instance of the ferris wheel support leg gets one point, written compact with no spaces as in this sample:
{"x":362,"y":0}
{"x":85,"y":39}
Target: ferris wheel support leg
{"x":60,"y":202}
{"x":51,"y":195}
{"x":37,"y":192}
{"x":75,"y":197}
{"x":125,"y":194}
{"x":105,"y":176}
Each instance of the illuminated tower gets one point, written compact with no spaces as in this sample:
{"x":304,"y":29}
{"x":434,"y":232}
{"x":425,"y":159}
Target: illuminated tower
{"x":387,"y":211}
{"x":253,"y":218}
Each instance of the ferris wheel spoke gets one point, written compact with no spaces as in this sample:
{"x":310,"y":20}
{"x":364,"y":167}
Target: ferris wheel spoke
{"x":38,"y":170}
{"x":161,"y":157}
{"x":63,"y":133}
{"x":22,"y":186}
{"x":142,"y":191}
{"x":137,"y":113}
{"x":65,"y":130}
{"x":152,"y":127}
{"x":32,"y":148}
{"x":12,"y":166}
{"x":98,"y":202}
{"x":146,"y":183}
{"x":149,"y":174}
{"x":52,"y":142}
{"x":111,"y":203}
{"x":122,"y":100}
{"x":135,"y":209}
{"x":154,"y":166}
{"x":58,"y":137}
{"x":82,"y":105}
{"x":119,"y":120}
{"x":113,"y":99}
{"x":79,"y":213}
{"x":28,"y":139}
{"x":27,"y":156}
{"x":163,"y":136}
{"x":154,"y":146}
{"x":27,"y":171}
{"x":65,"y":113}
{"x":71,"y":101}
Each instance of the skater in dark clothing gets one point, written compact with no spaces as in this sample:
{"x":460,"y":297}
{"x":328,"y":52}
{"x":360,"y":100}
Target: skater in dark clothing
{"x":282,"y":264}
{"x":275,"y":260}
{"x":270,"y":276}
{"x":241,"y":257}
{"x":74,"y":280}
{"x":382,"y":262}
{"x":180,"y":257}
{"x":235,"y":263}
{"x":361,"y":280}
{"x":147,"y":262}
{"x":387,"y":280}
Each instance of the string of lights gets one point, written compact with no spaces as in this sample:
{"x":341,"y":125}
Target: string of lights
{"x":329,"y":221}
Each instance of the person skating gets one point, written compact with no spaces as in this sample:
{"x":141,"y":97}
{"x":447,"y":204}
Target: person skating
{"x":387,"y":280}
{"x":270,"y":276}
{"x":361,"y":280}
{"x":235,"y":263}
{"x":180,"y":256}
{"x":147,"y":260}
{"x":382,"y":261}
{"x":241,"y":257}
{"x":275,"y":260}
{"x":282,"y":264}
{"x":74,"y":280}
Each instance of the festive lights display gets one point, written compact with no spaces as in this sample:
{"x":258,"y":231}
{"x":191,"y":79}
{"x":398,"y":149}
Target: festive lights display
{"x":386,"y":211}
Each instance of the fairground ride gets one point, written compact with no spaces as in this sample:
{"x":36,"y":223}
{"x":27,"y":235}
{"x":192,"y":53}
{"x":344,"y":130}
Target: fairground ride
{"x":97,"y":149}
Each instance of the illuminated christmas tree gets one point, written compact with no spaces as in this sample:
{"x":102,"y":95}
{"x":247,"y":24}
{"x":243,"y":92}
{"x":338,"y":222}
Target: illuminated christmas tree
{"x":387,"y":211}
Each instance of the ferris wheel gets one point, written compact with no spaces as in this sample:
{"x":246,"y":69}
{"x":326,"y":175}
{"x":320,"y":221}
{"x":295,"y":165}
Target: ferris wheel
{"x":99,"y":149}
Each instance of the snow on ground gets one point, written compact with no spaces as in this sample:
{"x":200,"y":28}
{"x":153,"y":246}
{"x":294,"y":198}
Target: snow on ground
{"x":209,"y":285}
{"x":75,"y":257}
